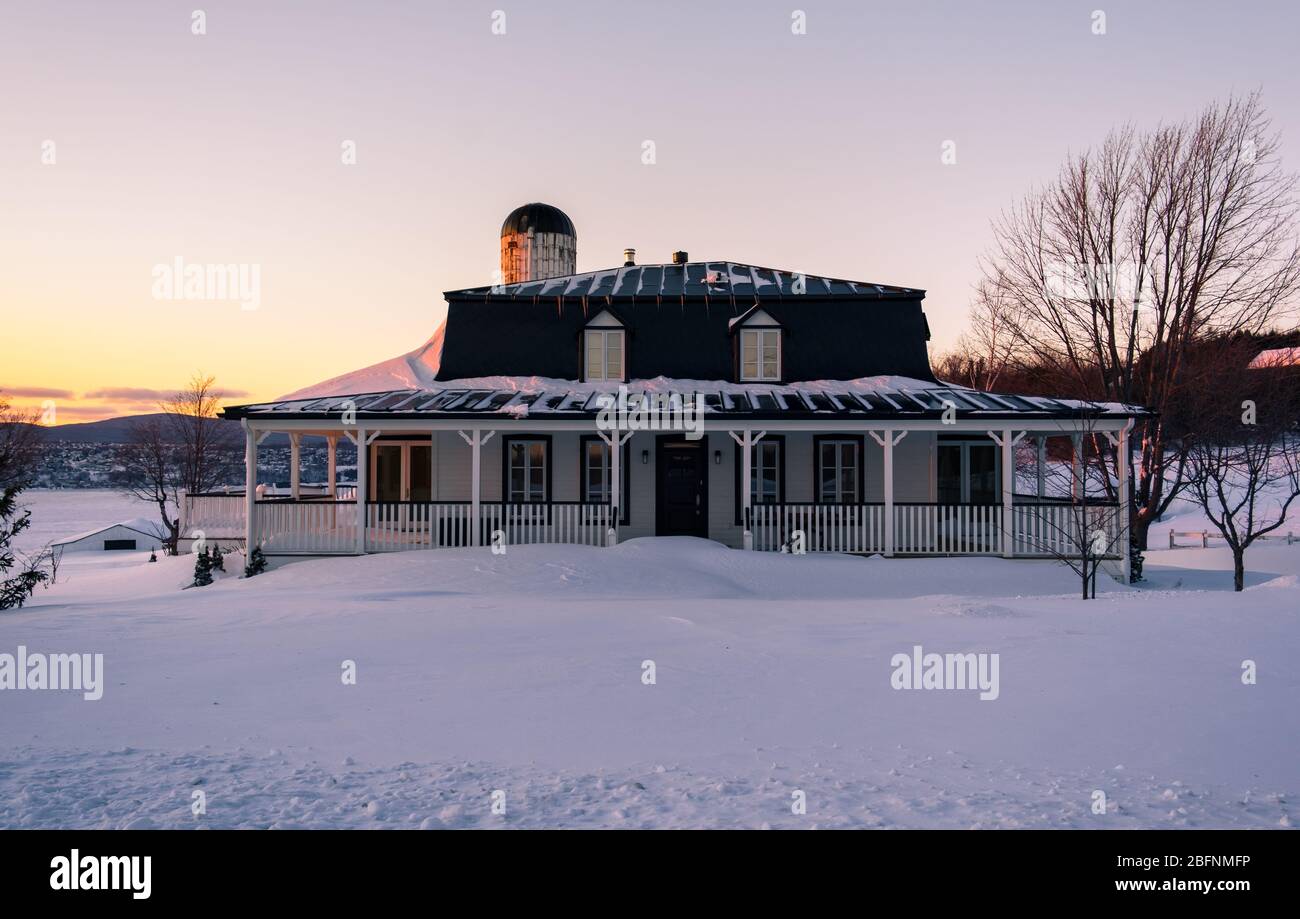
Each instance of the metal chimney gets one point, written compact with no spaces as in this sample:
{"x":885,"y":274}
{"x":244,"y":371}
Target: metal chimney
{"x":680,"y":257}
{"x":629,"y":258}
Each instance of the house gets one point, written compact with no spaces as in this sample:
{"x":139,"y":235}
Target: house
{"x":765,"y":409}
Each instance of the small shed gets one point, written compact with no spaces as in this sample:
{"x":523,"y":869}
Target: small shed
{"x":129,"y":535}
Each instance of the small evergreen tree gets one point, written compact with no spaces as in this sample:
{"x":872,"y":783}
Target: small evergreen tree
{"x":256,"y":563}
{"x":202,"y":569}
{"x":218,"y":563}
{"x":15,"y":591}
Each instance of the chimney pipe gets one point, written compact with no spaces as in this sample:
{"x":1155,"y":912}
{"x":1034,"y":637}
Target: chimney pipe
{"x":680,"y":258}
{"x":629,"y":258}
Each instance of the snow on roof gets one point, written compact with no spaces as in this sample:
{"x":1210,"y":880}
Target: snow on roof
{"x":521,"y":397}
{"x":413,"y":370}
{"x":142,"y":525}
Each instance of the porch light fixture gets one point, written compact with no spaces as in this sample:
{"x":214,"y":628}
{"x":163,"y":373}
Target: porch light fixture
{"x":717,"y":457}
{"x":645,"y":457}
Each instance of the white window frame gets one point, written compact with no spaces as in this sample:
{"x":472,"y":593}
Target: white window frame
{"x":608,"y":342}
{"x":526,"y":497}
{"x":605,"y":478}
{"x":765,"y":371}
{"x":839,"y":470}
{"x":756,"y":472}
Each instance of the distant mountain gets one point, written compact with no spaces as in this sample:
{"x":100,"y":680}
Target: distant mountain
{"x":117,"y":431}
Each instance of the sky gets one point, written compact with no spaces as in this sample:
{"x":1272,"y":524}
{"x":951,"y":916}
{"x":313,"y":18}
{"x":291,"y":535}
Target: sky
{"x":129,"y":142}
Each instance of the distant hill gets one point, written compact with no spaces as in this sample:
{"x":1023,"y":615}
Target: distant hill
{"x":117,"y":431}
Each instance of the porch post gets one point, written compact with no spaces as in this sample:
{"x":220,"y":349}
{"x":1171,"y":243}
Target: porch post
{"x":1076,"y":466}
{"x":746,"y":443}
{"x":1008,"y":493}
{"x":332,"y":442}
{"x":1007,"y":440}
{"x":475,"y":439}
{"x":250,"y":488}
{"x":887,"y":442}
{"x":747,"y":487}
{"x":476,"y":484}
{"x":1124,"y":503}
{"x":295,"y":465}
{"x":363,"y":488}
{"x":1041,"y":442}
{"x":1121,"y":444}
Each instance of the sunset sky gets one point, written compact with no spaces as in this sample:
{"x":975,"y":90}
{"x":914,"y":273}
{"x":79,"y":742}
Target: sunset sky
{"x":818,"y":152}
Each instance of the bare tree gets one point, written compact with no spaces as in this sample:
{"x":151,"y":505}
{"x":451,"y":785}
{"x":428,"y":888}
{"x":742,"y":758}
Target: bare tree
{"x":993,"y":343}
{"x":1078,"y":521}
{"x":1244,"y":462}
{"x":1142,"y":248}
{"x":183,"y":450}
{"x":20,"y":442}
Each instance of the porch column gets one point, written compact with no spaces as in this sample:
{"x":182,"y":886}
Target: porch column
{"x":363,"y":486}
{"x":1041,"y":468}
{"x":295,"y":465}
{"x":746,"y":443}
{"x":1125,"y":510}
{"x":332,"y":442}
{"x":1076,"y":466}
{"x":615,"y":442}
{"x":1007,"y":441}
{"x":250,"y":488}
{"x":888,"y":442}
{"x":475,"y":439}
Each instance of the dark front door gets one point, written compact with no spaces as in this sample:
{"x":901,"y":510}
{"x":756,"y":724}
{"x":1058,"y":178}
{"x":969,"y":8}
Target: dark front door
{"x":683,"y":508}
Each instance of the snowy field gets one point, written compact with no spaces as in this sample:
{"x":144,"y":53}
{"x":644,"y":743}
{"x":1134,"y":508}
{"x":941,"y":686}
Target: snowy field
{"x":523,"y":674}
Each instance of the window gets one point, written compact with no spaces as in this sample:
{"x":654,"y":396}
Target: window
{"x":766,"y":476}
{"x":760,"y":355}
{"x":967,"y":471}
{"x":596,"y":480}
{"x":527,"y":478}
{"x":839,"y":470}
{"x":604,"y":349}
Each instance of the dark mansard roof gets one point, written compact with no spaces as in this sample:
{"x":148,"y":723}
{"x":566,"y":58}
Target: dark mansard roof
{"x":679,"y":318}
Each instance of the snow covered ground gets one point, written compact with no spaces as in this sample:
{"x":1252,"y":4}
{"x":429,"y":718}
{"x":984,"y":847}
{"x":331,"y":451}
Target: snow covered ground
{"x":522,"y":674}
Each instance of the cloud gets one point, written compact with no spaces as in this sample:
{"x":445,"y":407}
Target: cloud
{"x":139,"y":393}
{"x":36,"y":392}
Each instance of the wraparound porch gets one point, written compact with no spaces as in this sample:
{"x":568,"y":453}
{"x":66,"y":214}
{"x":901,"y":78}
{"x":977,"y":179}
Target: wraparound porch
{"x":800,"y":486}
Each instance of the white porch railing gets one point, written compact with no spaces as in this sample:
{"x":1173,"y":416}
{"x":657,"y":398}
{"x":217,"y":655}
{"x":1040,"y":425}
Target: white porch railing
{"x":330,"y":527}
{"x":325,"y":527}
{"x":1055,"y":530}
{"x":394,"y":526}
{"x":573,"y":523}
{"x":947,"y":529}
{"x":820,"y":527}
{"x":1038,"y":530}
{"x":213,"y":515}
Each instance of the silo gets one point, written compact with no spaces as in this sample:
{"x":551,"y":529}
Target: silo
{"x":537,"y":241}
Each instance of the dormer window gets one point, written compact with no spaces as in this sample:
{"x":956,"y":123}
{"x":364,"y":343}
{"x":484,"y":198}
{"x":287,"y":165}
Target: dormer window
{"x":760,"y":355}
{"x":604,"y":354}
{"x":758,"y":349}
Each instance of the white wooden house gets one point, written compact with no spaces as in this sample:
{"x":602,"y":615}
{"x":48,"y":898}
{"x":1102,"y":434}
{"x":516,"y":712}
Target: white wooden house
{"x":820,"y":428}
